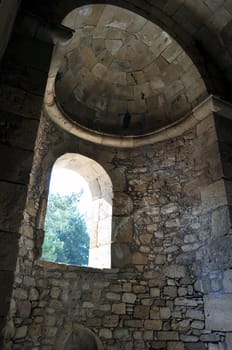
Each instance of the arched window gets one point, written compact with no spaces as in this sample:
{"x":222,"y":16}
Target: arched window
{"x":83,"y":185}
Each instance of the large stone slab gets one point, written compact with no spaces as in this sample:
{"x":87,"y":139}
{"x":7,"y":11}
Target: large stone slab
{"x":218,"y":312}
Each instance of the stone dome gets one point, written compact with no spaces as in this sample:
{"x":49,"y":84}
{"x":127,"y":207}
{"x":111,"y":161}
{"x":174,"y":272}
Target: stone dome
{"x":123,"y":75}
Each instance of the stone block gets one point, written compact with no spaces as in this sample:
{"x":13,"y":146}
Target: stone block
{"x":220,"y":221}
{"x":26,"y":78}
{"x":198,"y":324}
{"x":165,"y":313}
{"x":213,"y":346}
{"x":153,"y":324}
{"x":228,"y":186}
{"x":148,"y":335}
{"x":170,"y":291}
{"x":17,"y":131}
{"x":195,"y":314}
{"x":129,"y":298}
{"x":35,"y":331}
{"x":105,"y":333}
{"x":218,"y":255}
{"x":175,"y":346}
{"x":155,"y":292}
{"x":189,"y":338}
{"x":229,"y":341}
{"x":141,"y":311}
{"x":122,"y":230}
{"x":134,"y":323}
{"x":113,"y":296}
{"x":119,"y":308}
{"x":12,"y":203}
{"x":154,"y":313}
{"x":139,"y":259}
{"x":8,"y":255}
{"x":19,"y":102}
{"x":175,"y":271}
{"x":21,"y":332}
{"x":218,"y":312}
{"x":23,"y":308}
{"x":214,"y":196}
{"x":120,"y":255}
{"x":6,"y":279}
{"x":195,"y":346}
{"x":224,"y":127}
{"x":210,"y":338}
{"x":121,"y":333}
{"x":168,"y":335}
{"x":123,"y":204}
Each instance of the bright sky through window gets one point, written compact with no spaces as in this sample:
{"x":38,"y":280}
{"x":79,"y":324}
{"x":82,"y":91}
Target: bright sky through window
{"x":65,"y":181}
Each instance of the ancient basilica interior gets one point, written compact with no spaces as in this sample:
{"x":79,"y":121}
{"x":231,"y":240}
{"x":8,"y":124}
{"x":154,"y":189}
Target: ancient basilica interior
{"x":135,"y":97}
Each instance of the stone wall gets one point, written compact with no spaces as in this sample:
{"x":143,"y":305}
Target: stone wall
{"x":168,"y":200}
{"x":8,"y":10}
{"x":23,"y":78}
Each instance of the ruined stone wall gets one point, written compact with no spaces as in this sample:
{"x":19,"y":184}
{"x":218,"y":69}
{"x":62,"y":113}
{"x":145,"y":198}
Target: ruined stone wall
{"x":167,"y":198}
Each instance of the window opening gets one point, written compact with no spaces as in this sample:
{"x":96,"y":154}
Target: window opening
{"x":79,"y":213}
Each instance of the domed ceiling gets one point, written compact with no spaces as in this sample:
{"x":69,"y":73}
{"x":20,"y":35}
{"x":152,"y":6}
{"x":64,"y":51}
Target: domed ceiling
{"x":123,"y":75}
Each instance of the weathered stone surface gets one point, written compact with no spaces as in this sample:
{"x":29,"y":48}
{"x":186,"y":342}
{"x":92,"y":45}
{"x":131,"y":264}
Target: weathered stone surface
{"x":220,"y":221}
{"x":229,"y":340}
{"x":153,"y":324}
{"x":105,"y":333}
{"x":110,"y":321}
{"x":122,"y":334}
{"x":129,"y":298}
{"x":227,"y":281}
{"x":139,"y":259}
{"x":11,"y":214}
{"x":123,"y":204}
{"x":121,"y":254}
{"x":119,"y":308}
{"x":168,"y":335}
{"x":175,"y":271}
{"x":195,"y":346}
{"x":218,"y":312}
{"x":175,"y":346}
{"x":141,"y":311}
{"x":214,"y":196}
{"x":21,"y":332}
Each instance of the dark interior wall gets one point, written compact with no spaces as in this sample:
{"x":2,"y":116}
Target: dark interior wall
{"x":8,"y":11}
{"x":224,"y":131}
{"x":23,"y":79}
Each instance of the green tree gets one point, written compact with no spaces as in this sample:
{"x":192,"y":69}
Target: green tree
{"x":66,"y":237}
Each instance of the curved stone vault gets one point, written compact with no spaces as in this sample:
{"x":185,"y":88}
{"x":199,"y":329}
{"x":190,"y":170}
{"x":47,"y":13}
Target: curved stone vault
{"x":123,"y":75}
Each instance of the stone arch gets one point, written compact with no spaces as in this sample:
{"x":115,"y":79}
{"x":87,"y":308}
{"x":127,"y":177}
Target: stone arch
{"x":79,"y":338}
{"x":100,"y":209}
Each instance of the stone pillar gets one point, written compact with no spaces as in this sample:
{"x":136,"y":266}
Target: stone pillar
{"x":215,"y":258}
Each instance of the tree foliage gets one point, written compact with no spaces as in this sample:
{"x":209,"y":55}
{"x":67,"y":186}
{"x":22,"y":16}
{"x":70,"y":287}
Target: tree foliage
{"x":66,"y":237}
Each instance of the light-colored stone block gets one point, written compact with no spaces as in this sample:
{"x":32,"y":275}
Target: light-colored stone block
{"x":218,"y":312}
{"x":175,"y":271}
{"x":227,"y":281}
{"x":214,"y":196}
{"x":229,"y":341}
